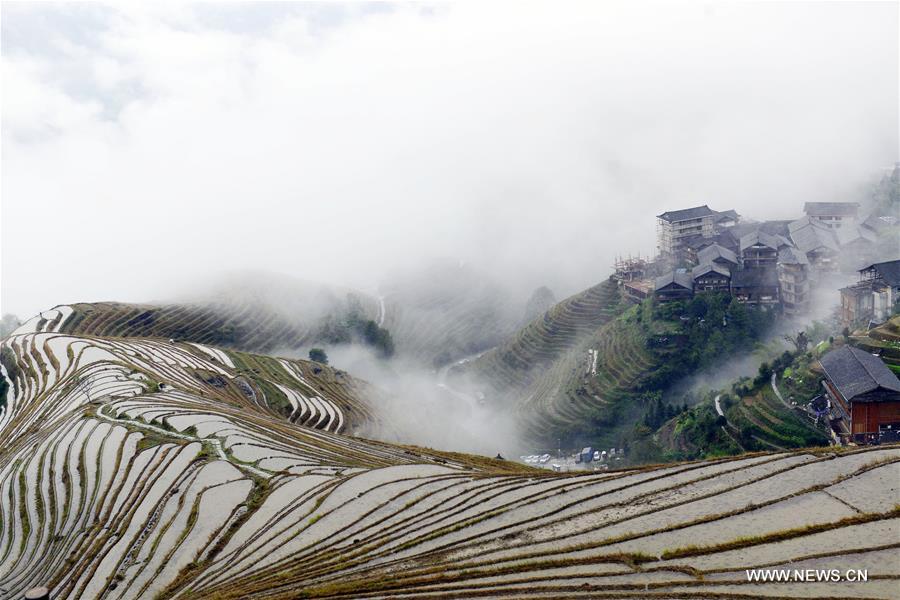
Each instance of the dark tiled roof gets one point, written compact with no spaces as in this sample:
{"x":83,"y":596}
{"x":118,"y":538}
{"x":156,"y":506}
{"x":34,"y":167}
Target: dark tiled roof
{"x":854,"y":372}
{"x":829,"y":209}
{"x":686,"y":214}
{"x":760,"y":237}
{"x":711,"y":253}
{"x":889,"y":271}
{"x":877,"y":222}
{"x":754,"y":278}
{"x":770,"y":227}
{"x":707,"y":267}
{"x":849,"y":234}
{"x":792,"y":256}
{"x":804,"y":222}
{"x":730,"y":239}
{"x":695,"y":241}
{"x":725,"y":215}
{"x":679,"y":278}
{"x":809,"y":235}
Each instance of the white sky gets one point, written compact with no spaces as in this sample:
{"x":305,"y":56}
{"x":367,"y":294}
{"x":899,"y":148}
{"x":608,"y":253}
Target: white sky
{"x":143,"y":147}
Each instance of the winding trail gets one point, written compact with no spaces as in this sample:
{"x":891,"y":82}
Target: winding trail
{"x":778,"y":392}
{"x":381,"y":311}
{"x":215,"y":442}
{"x":727,"y":425}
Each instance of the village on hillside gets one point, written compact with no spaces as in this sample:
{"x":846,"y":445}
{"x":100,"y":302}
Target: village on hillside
{"x":838,"y":259}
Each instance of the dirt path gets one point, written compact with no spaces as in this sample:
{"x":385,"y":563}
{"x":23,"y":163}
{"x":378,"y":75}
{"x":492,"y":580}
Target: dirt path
{"x":213,"y":441}
{"x":381,"y":311}
{"x":778,"y":392}
{"x":727,"y":426}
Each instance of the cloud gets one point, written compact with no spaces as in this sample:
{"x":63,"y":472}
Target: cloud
{"x":144,"y":146}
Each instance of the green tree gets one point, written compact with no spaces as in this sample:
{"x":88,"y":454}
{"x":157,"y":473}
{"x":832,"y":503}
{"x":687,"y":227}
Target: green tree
{"x":318,"y":355}
{"x":379,"y":338}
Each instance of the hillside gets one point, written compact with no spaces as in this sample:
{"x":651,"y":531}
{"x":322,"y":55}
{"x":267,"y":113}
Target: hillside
{"x":545,"y":371}
{"x":883,"y":340}
{"x":445,"y":311}
{"x":232,"y":323}
{"x":771,"y":411}
{"x":142,"y":469}
{"x":433,"y":316}
{"x":590,"y":368}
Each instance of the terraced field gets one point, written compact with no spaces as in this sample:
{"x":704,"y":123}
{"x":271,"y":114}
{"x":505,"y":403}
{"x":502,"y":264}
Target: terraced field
{"x":433,"y":326}
{"x":246,"y":326}
{"x":136,"y":468}
{"x":772,"y":424}
{"x":571,"y":364}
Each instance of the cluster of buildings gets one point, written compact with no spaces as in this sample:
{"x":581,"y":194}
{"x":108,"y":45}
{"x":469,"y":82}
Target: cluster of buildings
{"x":863,"y":396}
{"x":764,"y":263}
{"x":874,"y":297}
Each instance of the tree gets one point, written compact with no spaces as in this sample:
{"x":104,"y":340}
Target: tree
{"x":800,"y":341}
{"x":318,"y":355}
{"x":765,"y":372}
{"x":379,"y":338}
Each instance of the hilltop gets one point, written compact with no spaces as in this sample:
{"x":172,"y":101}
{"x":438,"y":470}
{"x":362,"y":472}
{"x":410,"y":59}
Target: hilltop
{"x":138,"y":468}
{"x":251,"y":311}
{"x":429,"y":316}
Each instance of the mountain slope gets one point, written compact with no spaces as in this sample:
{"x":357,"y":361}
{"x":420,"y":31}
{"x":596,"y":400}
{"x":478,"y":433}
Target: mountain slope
{"x":434,"y":315}
{"x":242,"y":323}
{"x":446,"y":311}
{"x":136,"y":468}
{"x":566,"y":367}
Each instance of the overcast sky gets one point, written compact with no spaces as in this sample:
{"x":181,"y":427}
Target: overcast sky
{"x":145,"y":146}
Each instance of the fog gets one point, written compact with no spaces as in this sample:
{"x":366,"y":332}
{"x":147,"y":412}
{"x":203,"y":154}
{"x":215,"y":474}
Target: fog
{"x":419,"y":407}
{"x":147,"y":147}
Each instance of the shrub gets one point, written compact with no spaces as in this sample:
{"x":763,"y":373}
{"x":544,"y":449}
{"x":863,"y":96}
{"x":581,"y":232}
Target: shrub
{"x":318,"y":355}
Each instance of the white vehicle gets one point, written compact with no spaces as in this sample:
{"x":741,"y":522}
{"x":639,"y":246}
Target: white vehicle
{"x":545,"y":458}
{"x":597,"y":455}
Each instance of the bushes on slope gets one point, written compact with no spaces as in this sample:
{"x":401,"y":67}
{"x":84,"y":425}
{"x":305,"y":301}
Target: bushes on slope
{"x":711,"y":327}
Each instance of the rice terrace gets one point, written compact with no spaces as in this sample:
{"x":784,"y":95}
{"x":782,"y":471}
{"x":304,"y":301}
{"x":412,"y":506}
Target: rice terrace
{"x":145,"y":468}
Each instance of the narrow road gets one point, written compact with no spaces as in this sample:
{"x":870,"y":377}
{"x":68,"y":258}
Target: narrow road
{"x":471,"y":401}
{"x":445,"y":370}
{"x":381,"y":311}
{"x":778,"y":392}
{"x":728,"y":426}
{"x":213,"y":441}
